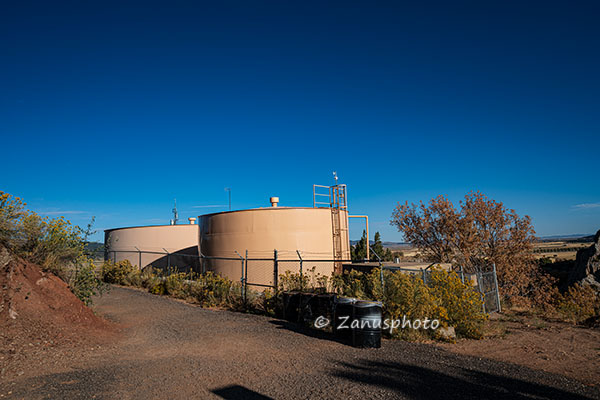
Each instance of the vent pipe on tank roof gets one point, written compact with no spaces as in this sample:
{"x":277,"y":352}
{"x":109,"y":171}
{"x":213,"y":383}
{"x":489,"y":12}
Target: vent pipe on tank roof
{"x":274,"y":201}
{"x":192,"y":220}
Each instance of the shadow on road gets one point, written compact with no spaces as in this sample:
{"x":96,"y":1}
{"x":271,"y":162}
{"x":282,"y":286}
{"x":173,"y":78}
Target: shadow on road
{"x":423,"y":383}
{"x":304,"y":330}
{"x":235,"y":392}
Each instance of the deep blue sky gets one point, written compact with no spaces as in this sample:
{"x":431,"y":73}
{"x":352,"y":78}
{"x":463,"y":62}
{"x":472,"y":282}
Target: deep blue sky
{"x":114,"y":109}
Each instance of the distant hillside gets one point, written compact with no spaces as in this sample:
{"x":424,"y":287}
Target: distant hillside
{"x":390,"y":245}
{"x":575,"y":238}
{"x":95,"y":249}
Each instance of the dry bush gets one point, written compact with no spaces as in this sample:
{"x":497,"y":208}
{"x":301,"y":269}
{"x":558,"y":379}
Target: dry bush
{"x":310,"y":280}
{"x":445,"y":298}
{"x":54,"y":244}
{"x":480,"y":233}
{"x":462,"y":303}
{"x":578,"y":304}
{"x":119,"y":273}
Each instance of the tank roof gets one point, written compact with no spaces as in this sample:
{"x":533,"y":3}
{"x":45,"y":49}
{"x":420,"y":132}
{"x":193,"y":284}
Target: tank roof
{"x":265,"y":209}
{"x":148,"y":226}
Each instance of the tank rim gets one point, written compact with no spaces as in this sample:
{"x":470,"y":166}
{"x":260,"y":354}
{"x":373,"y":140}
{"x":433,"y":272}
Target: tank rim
{"x":264,"y":209}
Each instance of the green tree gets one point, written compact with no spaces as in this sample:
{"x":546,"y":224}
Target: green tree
{"x":359,"y":250}
{"x":377,"y":247}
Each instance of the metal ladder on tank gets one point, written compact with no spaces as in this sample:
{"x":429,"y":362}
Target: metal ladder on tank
{"x":338,"y":204}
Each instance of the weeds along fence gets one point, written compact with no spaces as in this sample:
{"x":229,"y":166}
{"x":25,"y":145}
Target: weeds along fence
{"x":259,"y":271}
{"x":485,"y":282}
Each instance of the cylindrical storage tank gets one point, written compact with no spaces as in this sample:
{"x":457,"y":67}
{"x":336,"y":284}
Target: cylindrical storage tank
{"x":161,"y":246}
{"x":228,"y":235}
{"x":342,"y":318}
{"x":368,"y":315}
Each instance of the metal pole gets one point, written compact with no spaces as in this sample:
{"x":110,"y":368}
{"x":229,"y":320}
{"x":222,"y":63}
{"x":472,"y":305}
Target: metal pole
{"x":479,"y":276}
{"x":275,"y":270}
{"x":168,"y":258}
{"x":300,"y":257}
{"x":246,"y":278}
{"x":202,"y":262}
{"x":229,"y":190}
{"x":139,"y":258}
{"x":497,"y":290}
{"x":242,"y":273}
{"x":381,"y":277}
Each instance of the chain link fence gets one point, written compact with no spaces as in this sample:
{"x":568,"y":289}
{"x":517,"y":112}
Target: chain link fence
{"x":486,"y":283}
{"x":261,"y":270}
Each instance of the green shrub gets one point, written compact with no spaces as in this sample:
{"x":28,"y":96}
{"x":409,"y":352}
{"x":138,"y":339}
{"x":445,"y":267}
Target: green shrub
{"x":211,"y":290}
{"x":120,"y":273}
{"x":85,"y":283}
{"x":291,"y":281}
{"x":445,"y":298}
{"x":176,"y":286}
{"x":463,"y":304}
{"x":406,"y":296}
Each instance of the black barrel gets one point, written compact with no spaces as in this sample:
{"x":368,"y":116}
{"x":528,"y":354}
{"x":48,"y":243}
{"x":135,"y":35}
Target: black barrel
{"x":343,"y":315}
{"x":368,"y":315}
{"x":291,"y":306}
{"x":324,"y":305}
{"x":307,"y":305}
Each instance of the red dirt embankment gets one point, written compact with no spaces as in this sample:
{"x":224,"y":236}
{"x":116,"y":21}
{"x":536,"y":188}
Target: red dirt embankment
{"x":38,"y":311}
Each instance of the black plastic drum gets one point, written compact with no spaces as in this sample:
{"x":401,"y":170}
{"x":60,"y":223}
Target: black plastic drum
{"x":291,"y":306}
{"x":342,"y":318}
{"x":368,"y":317}
{"x":324,"y":305}
{"x":308,"y":302}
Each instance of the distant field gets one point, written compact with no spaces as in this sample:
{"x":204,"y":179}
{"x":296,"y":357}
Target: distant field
{"x":556,"y":250}
{"x":559,"y":250}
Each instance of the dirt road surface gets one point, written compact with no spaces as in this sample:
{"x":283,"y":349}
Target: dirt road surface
{"x":171,"y":350}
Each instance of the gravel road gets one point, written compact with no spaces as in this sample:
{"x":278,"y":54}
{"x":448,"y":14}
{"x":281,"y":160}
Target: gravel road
{"x":172,"y":350}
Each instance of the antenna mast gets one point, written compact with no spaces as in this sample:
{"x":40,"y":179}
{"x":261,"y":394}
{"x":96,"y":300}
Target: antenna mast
{"x":175,"y":214}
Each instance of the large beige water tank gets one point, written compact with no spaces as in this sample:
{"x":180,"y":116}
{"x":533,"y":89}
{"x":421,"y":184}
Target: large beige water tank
{"x":261,"y":231}
{"x":160,"y":246}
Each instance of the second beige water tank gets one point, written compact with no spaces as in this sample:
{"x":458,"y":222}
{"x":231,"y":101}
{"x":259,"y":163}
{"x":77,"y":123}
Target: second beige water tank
{"x":260,"y":232}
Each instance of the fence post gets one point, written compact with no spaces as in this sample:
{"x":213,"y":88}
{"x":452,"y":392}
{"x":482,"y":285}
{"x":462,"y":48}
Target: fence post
{"x":246,"y":278}
{"x":300,"y":257}
{"x":275,"y":270}
{"x":139,"y":258}
{"x":462,"y":274}
{"x":497,"y":290}
{"x":380,"y":264}
{"x":242,"y":273}
{"x":301,"y":277}
{"x":479,"y":276}
{"x":382,"y":280}
{"x":168,"y":258}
